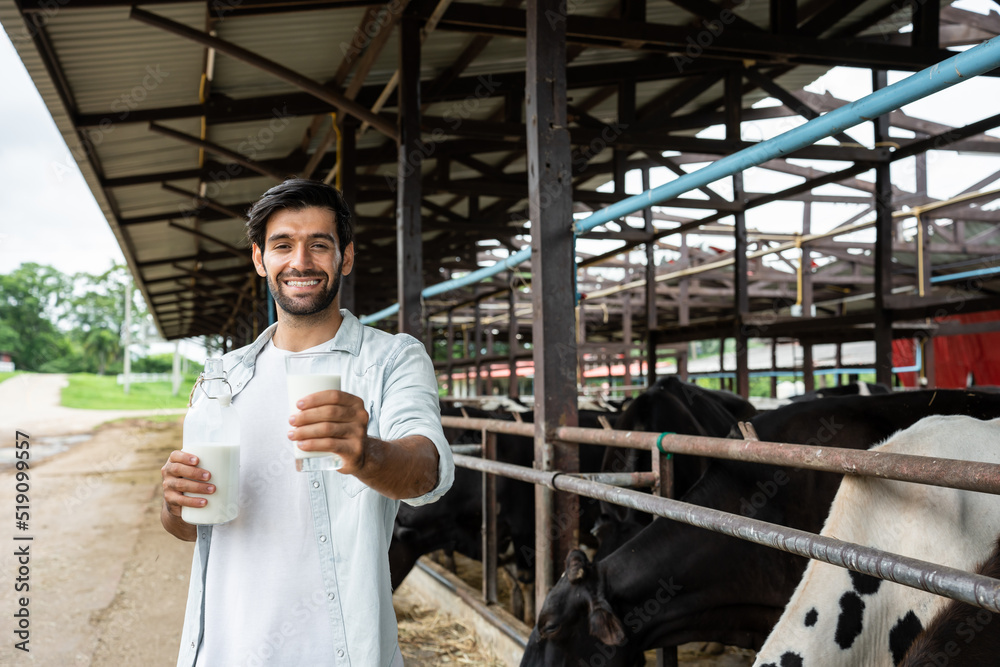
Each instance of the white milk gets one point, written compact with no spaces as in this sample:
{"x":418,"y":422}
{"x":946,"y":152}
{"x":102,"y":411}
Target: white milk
{"x":301,"y":385}
{"x":223,"y":461}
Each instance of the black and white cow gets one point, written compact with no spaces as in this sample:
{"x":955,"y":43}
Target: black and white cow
{"x":674,"y":583}
{"x":960,"y":635}
{"x":840,"y":618}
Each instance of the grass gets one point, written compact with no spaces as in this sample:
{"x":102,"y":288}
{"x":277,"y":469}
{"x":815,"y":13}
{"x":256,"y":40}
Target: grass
{"x":102,"y":392}
{"x":7,"y":376}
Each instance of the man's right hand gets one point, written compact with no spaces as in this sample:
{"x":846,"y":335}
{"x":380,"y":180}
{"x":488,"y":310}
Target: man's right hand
{"x":181,"y":475}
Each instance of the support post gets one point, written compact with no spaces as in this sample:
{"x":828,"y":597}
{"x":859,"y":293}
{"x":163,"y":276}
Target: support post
{"x":348,"y":184}
{"x":806,"y":260}
{"x":722,"y":362}
{"x":883,"y":248}
{"x":409,"y":274}
{"x":774,"y":367}
{"x":742,"y":295}
{"x":734,"y":83}
{"x":450,"y":354}
{"x":924,"y":227}
{"x":176,"y":371}
{"x":928,"y":374}
{"x":651,"y":358}
{"x":808,"y":377}
{"x":839,"y":363}
{"x":651,"y":319}
{"x":627,"y":339}
{"x":477,"y":343}
{"x":684,"y":309}
{"x":513,"y":391}
{"x":127,"y":343}
{"x":581,"y":340}
{"x":489,"y":366}
{"x":663,"y":466}
{"x":489,"y":521}
{"x":551,"y":211}
{"x":926,"y":25}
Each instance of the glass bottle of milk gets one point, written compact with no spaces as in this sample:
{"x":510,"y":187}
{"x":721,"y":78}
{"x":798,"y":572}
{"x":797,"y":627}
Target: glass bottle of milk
{"x":212,"y":433}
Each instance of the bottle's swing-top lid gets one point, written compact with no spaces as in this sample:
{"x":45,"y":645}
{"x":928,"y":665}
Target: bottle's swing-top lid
{"x":219,"y":388}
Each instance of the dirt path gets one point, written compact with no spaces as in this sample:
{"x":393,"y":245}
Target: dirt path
{"x":108,"y":584}
{"x":30,"y":403}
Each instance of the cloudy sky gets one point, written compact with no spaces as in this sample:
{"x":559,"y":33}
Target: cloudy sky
{"x":48,"y":215}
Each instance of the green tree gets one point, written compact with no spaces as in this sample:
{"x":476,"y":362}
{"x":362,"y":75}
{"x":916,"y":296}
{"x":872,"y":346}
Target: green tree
{"x":53,"y":322}
{"x":32,"y":298}
{"x":103,"y":346}
{"x":97,"y":316}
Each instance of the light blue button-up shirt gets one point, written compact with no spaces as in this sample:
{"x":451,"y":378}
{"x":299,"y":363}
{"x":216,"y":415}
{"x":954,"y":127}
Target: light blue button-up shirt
{"x":395,"y":378}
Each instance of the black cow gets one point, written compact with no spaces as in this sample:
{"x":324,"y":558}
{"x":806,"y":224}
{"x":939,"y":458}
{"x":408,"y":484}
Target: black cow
{"x":454,"y":522}
{"x":674,"y":406}
{"x":673,"y":583}
{"x":444,"y":524}
{"x":670,"y":405}
{"x":960,"y":635}
{"x":858,"y":388}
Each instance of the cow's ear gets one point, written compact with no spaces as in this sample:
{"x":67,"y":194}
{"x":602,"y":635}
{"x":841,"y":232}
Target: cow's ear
{"x":576,"y":565}
{"x":605,"y":626}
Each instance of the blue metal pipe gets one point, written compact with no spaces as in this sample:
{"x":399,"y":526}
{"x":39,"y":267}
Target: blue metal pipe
{"x":479,"y":275}
{"x":967,"y":274}
{"x":472,"y":278}
{"x":977,"y":60}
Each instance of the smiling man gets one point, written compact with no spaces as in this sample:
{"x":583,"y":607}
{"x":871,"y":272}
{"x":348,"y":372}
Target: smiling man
{"x":301,"y":576}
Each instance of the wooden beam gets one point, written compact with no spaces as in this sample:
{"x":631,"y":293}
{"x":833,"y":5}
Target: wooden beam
{"x":221,"y":151}
{"x":730,"y":44}
{"x":409,"y":246}
{"x":550,"y":169}
{"x":287,"y":75}
{"x":242,"y":253}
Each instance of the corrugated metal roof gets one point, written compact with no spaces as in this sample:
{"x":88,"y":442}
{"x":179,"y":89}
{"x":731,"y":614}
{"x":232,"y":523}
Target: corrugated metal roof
{"x":118,"y":69}
{"x":115,"y":65}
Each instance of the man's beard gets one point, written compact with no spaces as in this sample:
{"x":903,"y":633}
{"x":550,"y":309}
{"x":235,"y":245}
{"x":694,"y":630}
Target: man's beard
{"x":302,"y":307}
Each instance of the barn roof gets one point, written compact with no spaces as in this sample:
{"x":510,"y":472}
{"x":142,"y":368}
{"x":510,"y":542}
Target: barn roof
{"x":176,"y":139}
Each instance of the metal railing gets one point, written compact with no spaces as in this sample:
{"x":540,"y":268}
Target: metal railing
{"x":974,"y":589}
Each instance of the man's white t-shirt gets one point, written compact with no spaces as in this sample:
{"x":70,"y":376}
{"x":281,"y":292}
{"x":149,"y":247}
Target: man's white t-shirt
{"x":264,"y":601}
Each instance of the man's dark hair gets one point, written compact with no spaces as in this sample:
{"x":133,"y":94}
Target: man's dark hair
{"x":297,"y":194}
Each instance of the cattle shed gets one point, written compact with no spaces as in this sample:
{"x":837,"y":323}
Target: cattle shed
{"x":543,"y":189}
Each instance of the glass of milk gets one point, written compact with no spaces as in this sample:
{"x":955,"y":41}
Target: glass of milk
{"x":309,"y":373}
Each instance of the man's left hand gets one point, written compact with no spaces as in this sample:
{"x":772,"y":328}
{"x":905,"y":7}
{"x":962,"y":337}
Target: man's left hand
{"x":332,"y":421}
